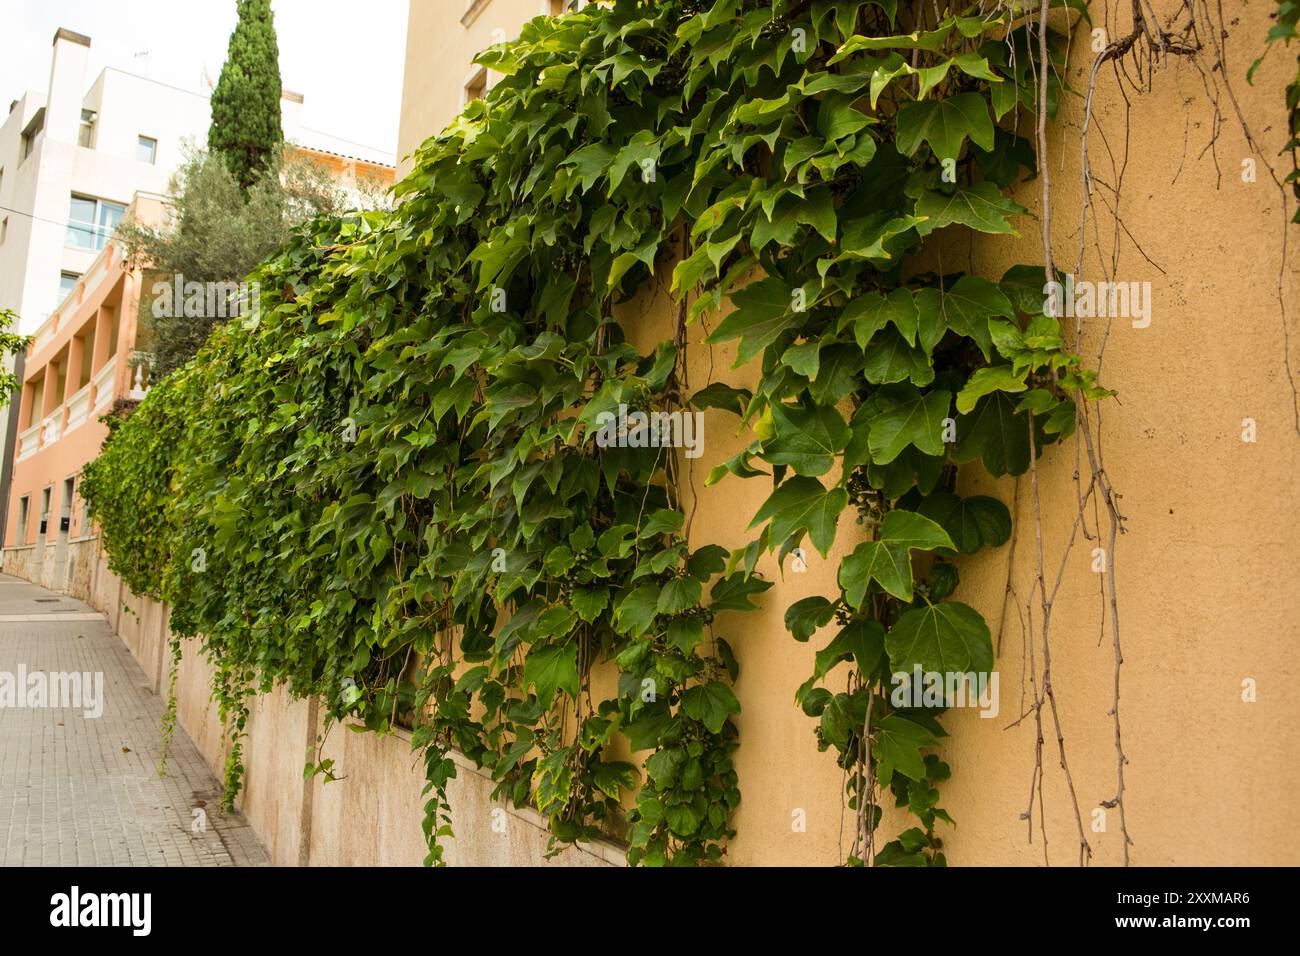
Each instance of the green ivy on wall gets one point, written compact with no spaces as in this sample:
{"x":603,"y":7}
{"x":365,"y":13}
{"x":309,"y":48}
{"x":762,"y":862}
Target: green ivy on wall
{"x":385,"y":487}
{"x":1284,"y":30}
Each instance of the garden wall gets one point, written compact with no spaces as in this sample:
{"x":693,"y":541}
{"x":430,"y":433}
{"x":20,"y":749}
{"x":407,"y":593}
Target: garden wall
{"x":369,"y":817}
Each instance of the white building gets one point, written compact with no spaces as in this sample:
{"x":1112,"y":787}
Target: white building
{"x":72,"y":159}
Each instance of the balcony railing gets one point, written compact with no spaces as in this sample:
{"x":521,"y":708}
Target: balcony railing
{"x":78,"y":408}
{"x":103,"y":385}
{"x":140,"y":365}
{"x":50,"y":429}
{"x":29,"y":442}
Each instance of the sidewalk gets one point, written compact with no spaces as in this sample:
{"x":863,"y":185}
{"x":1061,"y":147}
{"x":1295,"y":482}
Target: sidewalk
{"x":84,"y":791}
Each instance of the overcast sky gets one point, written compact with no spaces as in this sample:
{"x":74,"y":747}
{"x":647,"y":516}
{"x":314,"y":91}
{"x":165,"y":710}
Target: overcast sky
{"x":344,"y":56}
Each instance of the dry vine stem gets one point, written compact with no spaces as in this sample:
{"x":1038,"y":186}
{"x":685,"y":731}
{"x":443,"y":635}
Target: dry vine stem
{"x":1146,"y":42}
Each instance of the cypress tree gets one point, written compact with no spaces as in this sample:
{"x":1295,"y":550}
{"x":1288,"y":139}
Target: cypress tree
{"x":245,"y":128}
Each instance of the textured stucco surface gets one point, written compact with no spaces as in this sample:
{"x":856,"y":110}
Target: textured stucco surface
{"x":1207,"y":592}
{"x":1206,"y":595}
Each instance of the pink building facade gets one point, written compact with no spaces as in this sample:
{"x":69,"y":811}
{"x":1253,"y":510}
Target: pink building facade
{"x":81,"y":362}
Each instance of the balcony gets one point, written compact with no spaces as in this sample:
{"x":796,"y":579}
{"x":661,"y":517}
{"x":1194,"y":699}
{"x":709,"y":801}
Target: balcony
{"x":92,"y":399}
{"x":50,"y":428}
{"x":29,"y":442}
{"x":102,"y":383}
{"x":79,"y":408}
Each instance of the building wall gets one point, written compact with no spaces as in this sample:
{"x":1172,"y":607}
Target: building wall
{"x":442,"y":39}
{"x":99,"y":318}
{"x":36,"y":250}
{"x":1205,"y":596}
{"x":371,"y":814}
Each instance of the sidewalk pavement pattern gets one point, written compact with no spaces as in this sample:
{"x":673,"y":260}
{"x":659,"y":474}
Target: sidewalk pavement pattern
{"x":85,"y":791}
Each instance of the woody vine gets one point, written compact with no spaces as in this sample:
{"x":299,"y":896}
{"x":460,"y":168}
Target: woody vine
{"x":384,"y":488}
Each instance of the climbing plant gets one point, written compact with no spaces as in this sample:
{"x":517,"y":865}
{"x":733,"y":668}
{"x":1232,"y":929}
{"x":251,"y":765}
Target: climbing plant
{"x":11,"y":344}
{"x":1287,"y":16}
{"x":396,"y":486}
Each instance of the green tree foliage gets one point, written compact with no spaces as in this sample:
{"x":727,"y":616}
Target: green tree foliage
{"x":245,"y":130}
{"x":11,"y":345}
{"x":393,"y":467}
{"x":218,"y":233}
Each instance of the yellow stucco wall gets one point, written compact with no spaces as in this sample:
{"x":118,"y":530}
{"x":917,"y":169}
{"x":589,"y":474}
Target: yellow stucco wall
{"x":1207,"y":591}
{"x":1206,"y":594}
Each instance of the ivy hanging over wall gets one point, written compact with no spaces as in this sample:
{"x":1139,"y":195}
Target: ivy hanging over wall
{"x":1283,"y":32}
{"x":385,"y":487}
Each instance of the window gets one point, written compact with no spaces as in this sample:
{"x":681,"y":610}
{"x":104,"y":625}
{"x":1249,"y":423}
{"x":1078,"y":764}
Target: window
{"x":28,"y":140}
{"x":4,"y":229}
{"x":476,"y":87}
{"x":146,"y":149}
{"x":67,"y":282}
{"x":85,"y":513}
{"x":86,"y":132}
{"x":91,"y":222}
{"x":24,"y":503}
{"x":45,"y":512}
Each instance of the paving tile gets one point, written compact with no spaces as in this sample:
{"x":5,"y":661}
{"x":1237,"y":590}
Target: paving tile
{"x":69,"y":793}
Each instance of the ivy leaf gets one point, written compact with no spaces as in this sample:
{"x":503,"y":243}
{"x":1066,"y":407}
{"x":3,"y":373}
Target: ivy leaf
{"x":897,"y":747}
{"x":887,"y":560}
{"x":711,"y":704}
{"x":997,"y":433}
{"x":863,"y":640}
{"x":663,"y":521}
{"x":707,"y":561}
{"x":718,"y":395}
{"x":996,"y":378}
{"x":762,"y":313}
{"x":970,"y":522}
{"x":944,"y":124}
{"x":732,"y":592}
{"x":590,"y":163}
{"x":550,"y":667}
{"x":589,"y":602}
{"x":836,"y":117}
{"x":968,"y":305}
{"x":868,"y":314}
{"x":981,"y":207}
{"x":684,"y":633}
{"x":635,"y":613}
{"x":1023,"y":286}
{"x":804,"y":617}
{"x":890,"y":359}
{"x":837,"y":374}
{"x":807,"y":438}
{"x":613,"y":778}
{"x":803,"y":358}
{"x":868,"y":237}
{"x":908,"y":416}
{"x":818,"y":210}
{"x":679,"y":594}
{"x":804,"y":504}
{"x":682,"y":819}
{"x":948,"y":638}
{"x":648,"y":729}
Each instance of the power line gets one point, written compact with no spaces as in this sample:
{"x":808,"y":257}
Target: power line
{"x":29,"y":215}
